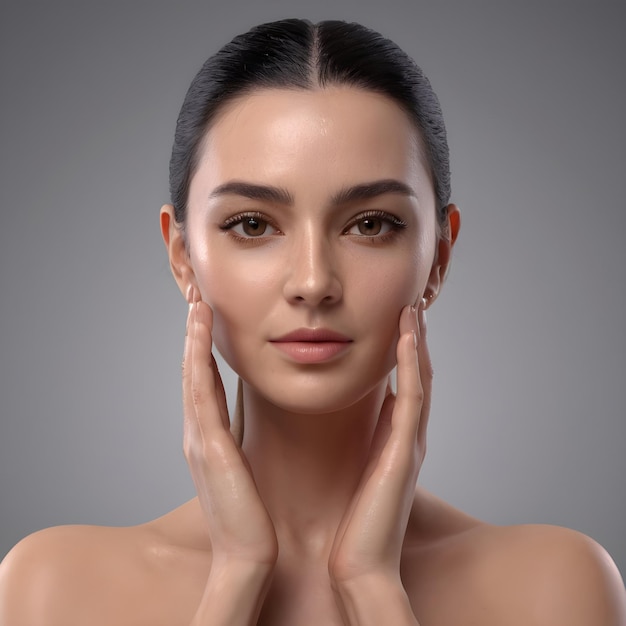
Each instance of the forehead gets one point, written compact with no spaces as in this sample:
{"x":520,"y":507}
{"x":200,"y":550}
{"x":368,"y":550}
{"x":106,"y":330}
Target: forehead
{"x":331,"y":136}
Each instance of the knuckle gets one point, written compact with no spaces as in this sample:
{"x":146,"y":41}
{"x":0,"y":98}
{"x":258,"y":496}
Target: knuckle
{"x":188,"y":452}
{"x":217,"y":447}
{"x":189,"y":445}
{"x":198,"y":395}
{"x":207,"y":451}
{"x":184,"y":365}
{"x":416,"y":394}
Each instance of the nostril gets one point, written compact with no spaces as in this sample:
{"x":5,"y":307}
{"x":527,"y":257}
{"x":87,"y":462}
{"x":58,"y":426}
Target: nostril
{"x":313,"y":282}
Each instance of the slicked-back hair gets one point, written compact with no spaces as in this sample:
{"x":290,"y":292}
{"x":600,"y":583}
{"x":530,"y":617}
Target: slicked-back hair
{"x":296,"y":54}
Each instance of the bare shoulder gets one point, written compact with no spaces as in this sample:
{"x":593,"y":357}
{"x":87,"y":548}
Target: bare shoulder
{"x":97,"y":575}
{"x":34,"y":576}
{"x":528,"y":574}
{"x":67,"y":574}
{"x":552,"y":575}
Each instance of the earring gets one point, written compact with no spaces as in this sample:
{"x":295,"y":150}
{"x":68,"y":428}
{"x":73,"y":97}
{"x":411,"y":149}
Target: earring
{"x":427,"y":300}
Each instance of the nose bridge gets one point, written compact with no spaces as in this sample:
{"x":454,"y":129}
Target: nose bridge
{"x":312,"y":275}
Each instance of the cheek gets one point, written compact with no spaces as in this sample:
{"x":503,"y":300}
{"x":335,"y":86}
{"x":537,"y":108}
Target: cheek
{"x":379,"y":294}
{"x":385,"y":285}
{"x":241,"y":293}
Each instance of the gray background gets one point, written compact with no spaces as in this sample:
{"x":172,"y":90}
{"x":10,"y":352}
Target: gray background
{"x":528,"y":421}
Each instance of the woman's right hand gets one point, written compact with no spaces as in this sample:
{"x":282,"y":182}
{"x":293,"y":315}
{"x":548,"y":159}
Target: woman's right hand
{"x":244,"y":546}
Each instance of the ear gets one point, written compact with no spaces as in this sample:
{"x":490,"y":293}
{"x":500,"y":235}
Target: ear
{"x":443,"y":254}
{"x":174,"y":238}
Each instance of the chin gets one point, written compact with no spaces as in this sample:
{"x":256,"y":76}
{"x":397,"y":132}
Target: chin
{"x":315,"y":394}
{"x":311,"y":404}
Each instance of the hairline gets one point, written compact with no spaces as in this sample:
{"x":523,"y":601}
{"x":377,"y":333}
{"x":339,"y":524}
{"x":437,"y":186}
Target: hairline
{"x":229,"y":103}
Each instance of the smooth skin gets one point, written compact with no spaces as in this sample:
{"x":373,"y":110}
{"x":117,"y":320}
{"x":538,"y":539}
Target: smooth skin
{"x":314,"y":518}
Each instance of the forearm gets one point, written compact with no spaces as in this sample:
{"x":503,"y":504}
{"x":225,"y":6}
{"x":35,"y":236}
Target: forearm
{"x":374,"y":601}
{"x":233,"y":595}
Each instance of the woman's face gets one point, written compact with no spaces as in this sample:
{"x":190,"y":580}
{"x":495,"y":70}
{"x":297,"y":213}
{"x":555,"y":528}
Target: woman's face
{"x":311,"y":224}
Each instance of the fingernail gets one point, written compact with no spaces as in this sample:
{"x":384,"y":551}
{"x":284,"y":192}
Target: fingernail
{"x":414,"y":339}
{"x":415,"y":319}
{"x":187,"y":323}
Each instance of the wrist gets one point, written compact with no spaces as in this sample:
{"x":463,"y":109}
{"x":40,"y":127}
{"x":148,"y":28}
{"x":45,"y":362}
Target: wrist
{"x":374,"y":599}
{"x":234,"y":593}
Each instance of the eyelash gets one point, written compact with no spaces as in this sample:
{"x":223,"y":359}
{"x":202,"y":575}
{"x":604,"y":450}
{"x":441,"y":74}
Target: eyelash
{"x":396,"y":225}
{"x":392,"y":221}
{"x":230,"y":223}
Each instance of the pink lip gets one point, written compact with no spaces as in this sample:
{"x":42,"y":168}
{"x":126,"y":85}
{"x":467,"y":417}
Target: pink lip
{"x":312,"y":335}
{"x":312,"y":345}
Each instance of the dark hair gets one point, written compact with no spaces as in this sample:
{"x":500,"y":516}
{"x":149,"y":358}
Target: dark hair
{"x":296,"y":54}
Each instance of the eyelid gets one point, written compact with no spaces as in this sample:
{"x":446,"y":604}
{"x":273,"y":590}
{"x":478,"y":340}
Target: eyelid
{"x":395,"y":222}
{"x":234,"y":220}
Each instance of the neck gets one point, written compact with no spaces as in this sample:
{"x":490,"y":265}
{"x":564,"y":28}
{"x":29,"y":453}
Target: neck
{"x":307,"y":467}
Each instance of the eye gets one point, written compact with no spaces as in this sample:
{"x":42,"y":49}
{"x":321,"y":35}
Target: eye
{"x":249,"y":226}
{"x":374,"y":224}
{"x":370,"y":226}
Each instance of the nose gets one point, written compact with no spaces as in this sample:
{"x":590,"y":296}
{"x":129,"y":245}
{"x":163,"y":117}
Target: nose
{"x":312,"y":278}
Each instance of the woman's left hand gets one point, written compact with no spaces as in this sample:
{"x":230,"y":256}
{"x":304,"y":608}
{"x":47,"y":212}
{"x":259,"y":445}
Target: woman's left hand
{"x":365,"y":557}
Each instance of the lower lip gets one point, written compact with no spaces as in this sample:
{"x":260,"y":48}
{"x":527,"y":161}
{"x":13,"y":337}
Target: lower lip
{"x":312,"y":351}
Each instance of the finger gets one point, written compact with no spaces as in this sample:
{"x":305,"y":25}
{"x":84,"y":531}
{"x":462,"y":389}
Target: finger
{"x":381,"y":435}
{"x":207,"y":388}
{"x":188,"y":407}
{"x":426,"y":377}
{"x":203,"y":399}
{"x":379,"y":440}
{"x":220,"y":394}
{"x":194,"y":299}
{"x":410,"y":394}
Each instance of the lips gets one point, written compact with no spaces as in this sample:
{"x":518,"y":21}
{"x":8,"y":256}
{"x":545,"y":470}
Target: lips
{"x":312,"y":345}
{"x":313,"y":335}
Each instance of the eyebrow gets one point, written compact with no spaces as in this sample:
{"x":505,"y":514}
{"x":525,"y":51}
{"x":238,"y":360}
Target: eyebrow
{"x":363,"y":191}
{"x":253,"y":192}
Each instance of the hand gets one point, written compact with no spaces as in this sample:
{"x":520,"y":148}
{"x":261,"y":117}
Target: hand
{"x":240,"y":528}
{"x":368,"y":544}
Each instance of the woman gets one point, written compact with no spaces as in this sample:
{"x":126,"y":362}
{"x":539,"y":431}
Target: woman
{"x":310,"y":228}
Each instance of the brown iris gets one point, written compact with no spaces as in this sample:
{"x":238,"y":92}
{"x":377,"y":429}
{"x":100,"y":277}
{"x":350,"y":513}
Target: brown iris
{"x":370,"y":226}
{"x":253,"y":227}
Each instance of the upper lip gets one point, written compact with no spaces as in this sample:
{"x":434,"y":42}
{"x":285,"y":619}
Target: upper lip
{"x":314,"y":335}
